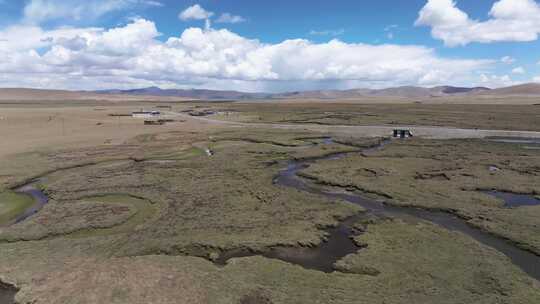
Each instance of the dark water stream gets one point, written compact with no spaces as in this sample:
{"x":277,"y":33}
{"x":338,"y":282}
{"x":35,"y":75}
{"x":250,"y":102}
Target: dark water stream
{"x":322,"y":257}
{"x":7,"y":292}
{"x":340,"y":242}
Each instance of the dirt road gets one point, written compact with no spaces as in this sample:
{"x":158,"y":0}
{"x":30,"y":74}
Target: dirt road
{"x":372,"y":131}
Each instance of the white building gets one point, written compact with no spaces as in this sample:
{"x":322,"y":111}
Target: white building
{"x":146,"y":114}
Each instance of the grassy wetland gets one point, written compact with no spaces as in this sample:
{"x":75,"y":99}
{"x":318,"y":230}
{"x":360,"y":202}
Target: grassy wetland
{"x":12,"y":204}
{"x":470,"y":116}
{"x":144,"y":214}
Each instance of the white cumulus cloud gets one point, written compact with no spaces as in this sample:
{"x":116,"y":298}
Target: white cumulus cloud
{"x":228,"y":18}
{"x":507,"y":60}
{"x":494,"y":81}
{"x":518,"y":70}
{"x":195,"y":12}
{"x":509,"y":20}
{"x":133,"y":56}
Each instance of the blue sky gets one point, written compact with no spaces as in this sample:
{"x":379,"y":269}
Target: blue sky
{"x":351,"y":43}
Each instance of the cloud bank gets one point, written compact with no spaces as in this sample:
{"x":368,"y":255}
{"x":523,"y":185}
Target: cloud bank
{"x":133,"y":56}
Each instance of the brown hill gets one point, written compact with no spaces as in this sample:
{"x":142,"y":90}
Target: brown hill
{"x":22,"y":95}
{"x":443,"y":94}
{"x":528,"y":89}
{"x":399,"y":92}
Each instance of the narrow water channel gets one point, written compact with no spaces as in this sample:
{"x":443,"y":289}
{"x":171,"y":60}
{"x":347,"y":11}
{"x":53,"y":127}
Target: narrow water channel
{"x":527,"y":261}
{"x":7,"y":292}
{"x":321,"y":258}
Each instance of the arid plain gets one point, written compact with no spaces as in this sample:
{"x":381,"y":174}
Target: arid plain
{"x":269,"y":201}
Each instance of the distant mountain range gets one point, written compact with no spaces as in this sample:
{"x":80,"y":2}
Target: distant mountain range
{"x":531,"y":89}
{"x":191,"y":93}
{"x":405,"y":93}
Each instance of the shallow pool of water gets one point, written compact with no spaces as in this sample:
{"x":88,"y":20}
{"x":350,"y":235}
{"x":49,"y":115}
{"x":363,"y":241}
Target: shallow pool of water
{"x":39,"y":197}
{"x":7,"y":294}
{"x":513,"y":199}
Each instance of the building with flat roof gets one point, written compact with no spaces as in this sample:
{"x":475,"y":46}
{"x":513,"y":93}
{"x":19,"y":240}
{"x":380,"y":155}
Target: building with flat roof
{"x":145,"y":114}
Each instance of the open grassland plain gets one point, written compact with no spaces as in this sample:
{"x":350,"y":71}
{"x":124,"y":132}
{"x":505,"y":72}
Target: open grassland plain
{"x":29,"y":128}
{"x":145,"y":217}
{"x":11,"y":204}
{"x":503,"y":117}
